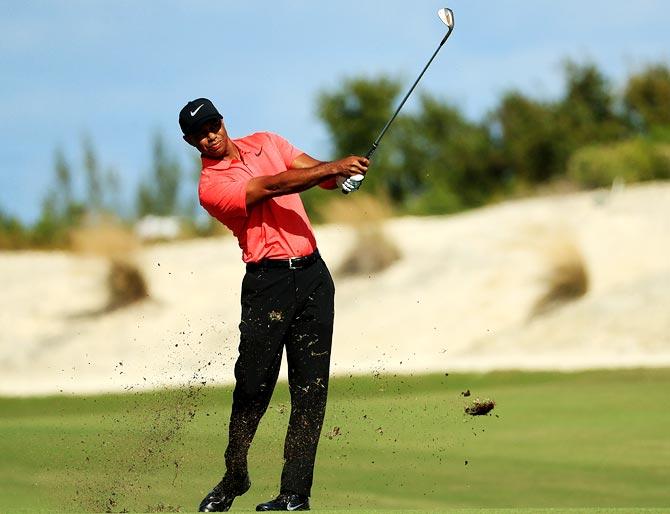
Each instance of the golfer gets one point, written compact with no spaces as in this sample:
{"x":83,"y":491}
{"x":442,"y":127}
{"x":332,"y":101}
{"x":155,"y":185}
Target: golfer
{"x":251,"y":185}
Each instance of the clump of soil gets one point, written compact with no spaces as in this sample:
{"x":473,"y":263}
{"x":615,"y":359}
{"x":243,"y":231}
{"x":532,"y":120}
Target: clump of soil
{"x":480,"y":407}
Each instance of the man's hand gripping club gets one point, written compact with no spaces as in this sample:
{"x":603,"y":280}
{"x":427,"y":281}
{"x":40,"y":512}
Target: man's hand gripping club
{"x":354,"y":182}
{"x":350,"y":184}
{"x":352,"y":174}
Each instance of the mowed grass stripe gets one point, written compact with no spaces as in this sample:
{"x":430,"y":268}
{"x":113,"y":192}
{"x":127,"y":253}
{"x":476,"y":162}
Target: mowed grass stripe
{"x":584,"y":440}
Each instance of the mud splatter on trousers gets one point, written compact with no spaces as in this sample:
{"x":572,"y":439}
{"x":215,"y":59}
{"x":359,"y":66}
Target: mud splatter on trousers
{"x":292,"y":309}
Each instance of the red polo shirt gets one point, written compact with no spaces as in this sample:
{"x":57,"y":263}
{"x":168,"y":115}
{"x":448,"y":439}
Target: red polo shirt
{"x":277,"y":228}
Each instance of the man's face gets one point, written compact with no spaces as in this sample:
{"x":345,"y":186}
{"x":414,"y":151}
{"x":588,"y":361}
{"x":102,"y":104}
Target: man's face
{"x":211,"y":139}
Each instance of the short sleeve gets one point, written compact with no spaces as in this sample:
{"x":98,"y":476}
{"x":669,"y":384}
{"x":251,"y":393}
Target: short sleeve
{"x":288,"y":152}
{"x":224,"y":194}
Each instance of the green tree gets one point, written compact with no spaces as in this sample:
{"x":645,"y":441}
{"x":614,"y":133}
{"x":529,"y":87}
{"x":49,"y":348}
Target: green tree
{"x":431,"y":160}
{"x":13,"y":234}
{"x":356,"y":112}
{"x":647,"y":97}
{"x":112,"y":195}
{"x":159,"y":193}
{"x":529,"y":139}
{"x":587,"y":113}
{"x":537,"y":138}
{"x":94,"y":180}
{"x":439,"y":161}
{"x":60,"y":210}
{"x":49,"y":230}
{"x":63,"y":174}
{"x":434,"y":160}
{"x":63,"y":204}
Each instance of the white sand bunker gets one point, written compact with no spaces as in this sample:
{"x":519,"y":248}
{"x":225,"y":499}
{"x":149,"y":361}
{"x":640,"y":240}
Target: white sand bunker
{"x":463,"y":296}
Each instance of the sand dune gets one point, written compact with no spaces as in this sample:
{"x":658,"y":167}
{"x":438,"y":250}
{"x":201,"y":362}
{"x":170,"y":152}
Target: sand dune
{"x":460,"y":298}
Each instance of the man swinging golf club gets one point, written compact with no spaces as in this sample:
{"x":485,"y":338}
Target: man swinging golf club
{"x":251,"y":185}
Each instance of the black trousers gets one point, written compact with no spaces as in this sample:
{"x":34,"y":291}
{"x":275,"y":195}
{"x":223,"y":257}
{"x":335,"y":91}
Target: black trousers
{"x":293,"y":309}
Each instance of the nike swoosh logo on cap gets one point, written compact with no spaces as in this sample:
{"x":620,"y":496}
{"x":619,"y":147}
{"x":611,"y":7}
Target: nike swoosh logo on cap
{"x":193,"y":113}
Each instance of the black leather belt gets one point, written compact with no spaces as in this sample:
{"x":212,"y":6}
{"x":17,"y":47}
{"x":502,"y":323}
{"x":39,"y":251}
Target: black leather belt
{"x":292,"y":263}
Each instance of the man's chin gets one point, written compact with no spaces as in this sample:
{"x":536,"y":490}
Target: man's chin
{"x":214,"y":155}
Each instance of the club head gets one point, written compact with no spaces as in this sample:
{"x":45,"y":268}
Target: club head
{"x":447,"y":17}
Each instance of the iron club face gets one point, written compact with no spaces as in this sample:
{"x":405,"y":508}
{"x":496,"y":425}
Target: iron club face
{"x":447,"y":16}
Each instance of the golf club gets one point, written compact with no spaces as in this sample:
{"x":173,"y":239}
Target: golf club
{"x":447,"y":17}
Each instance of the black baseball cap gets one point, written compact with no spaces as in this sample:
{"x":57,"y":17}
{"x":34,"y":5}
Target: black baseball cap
{"x":195,"y":113}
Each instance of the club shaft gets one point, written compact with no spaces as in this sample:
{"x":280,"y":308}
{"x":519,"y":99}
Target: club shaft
{"x":402,"y":103}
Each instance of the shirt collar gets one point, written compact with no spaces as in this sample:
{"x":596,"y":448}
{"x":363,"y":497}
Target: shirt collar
{"x":243,"y":145}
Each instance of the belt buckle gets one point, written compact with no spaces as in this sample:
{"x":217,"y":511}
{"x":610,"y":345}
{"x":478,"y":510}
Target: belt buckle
{"x":290,"y":262}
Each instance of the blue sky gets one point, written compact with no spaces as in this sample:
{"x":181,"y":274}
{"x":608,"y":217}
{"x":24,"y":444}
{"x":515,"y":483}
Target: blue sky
{"x":121,"y":70}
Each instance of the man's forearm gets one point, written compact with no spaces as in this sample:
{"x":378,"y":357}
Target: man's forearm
{"x":288,"y":182}
{"x":304,"y":161}
{"x":298,"y":180}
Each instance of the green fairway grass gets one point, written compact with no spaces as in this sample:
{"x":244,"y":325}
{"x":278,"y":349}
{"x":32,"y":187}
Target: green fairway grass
{"x":597,"y":440}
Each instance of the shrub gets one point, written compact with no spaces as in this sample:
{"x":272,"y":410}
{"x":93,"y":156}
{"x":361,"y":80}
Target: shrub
{"x":634,"y":160}
{"x":13,"y":235}
{"x":125,"y":282}
{"x":372,"y":251}
{"x":566,"y":278}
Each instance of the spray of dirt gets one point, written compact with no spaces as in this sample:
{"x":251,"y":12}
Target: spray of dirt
{"x":164,"y":425}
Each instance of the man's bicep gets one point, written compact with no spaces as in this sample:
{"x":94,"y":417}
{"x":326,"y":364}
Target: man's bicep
{"x":259,"y":189}
{"x":288,"y":152}
{"x":304,"y":161}
{"x":224,"y":198}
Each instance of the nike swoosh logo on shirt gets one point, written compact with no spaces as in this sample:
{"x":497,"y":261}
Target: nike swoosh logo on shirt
{"x":193,"y":113}
{"x":259,"y":152}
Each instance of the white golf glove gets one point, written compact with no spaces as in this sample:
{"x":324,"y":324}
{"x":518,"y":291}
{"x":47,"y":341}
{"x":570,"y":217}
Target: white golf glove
{"x":350,"y":184}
